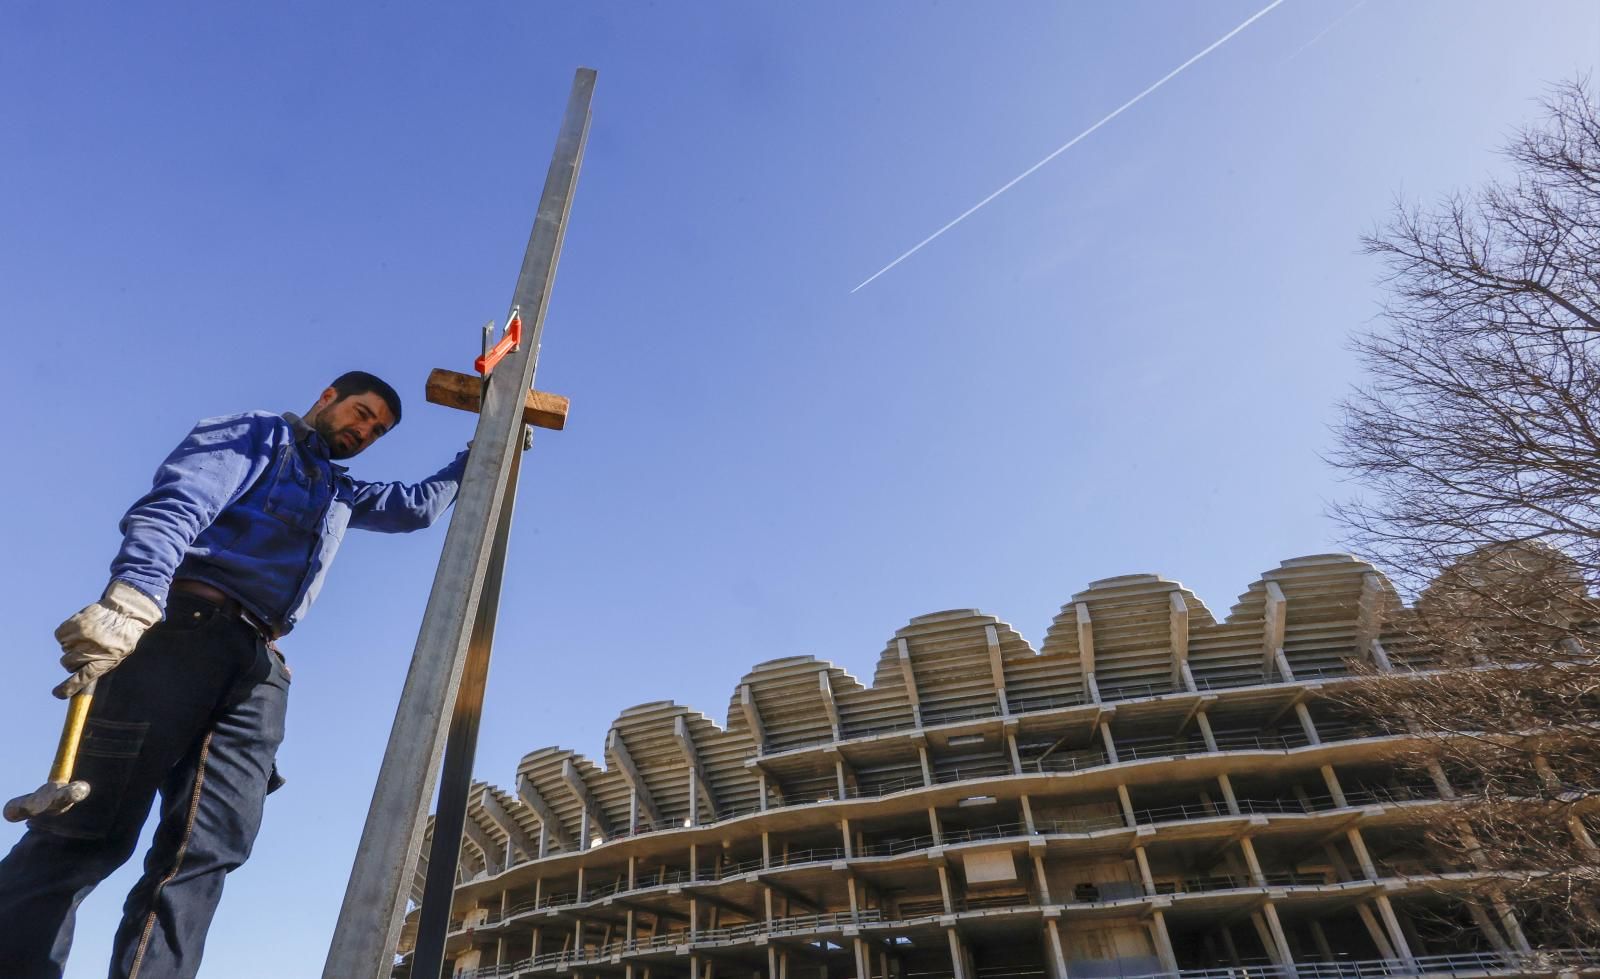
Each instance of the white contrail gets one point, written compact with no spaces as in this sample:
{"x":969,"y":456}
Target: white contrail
{"x":1319,"y":35}
{"x":1119,"y":110}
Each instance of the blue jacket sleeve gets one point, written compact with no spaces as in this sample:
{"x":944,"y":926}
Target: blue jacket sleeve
{"x":395,"y":508}
{"x":218,"y":460}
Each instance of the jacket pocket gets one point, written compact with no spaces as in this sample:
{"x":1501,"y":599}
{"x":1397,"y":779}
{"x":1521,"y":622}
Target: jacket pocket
{"x":293,"y":493}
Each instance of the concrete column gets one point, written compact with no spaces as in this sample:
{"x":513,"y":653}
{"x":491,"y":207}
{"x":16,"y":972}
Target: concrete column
{"x":1337,"y":862}
{"x":1334,"y":788}
{"x":1282,"y":662}
{"x":944,"y":889}
{"x":1391,"y":924}
{"x":1275,"y":926}
{"x":1016,"y":759}
{"x":1145,"y":876}
{"x":957,"y":958}
{"x":1233,"y":950}
{"x":1204,"y":724}
{"x":934,"y":826}
{"x":1056,"y":953}
{"x":1320,"y":937}
{"x":762,"y":778}
{"x":1440,"y":782}
{"x":766,"y":850}
{"x":1111,"y":745}
{"x":1508,"y":921}
{"x":927,"y":769}
{"x":855,"y":901}
{"x":1369,"y":870}
{"x":1380,"y":658}
{"x":1265,"y":936}
{"x":772,"y":963}
{"x":633,"y":871}
{"x":1306,"y":724}
{"x":1027,"y":815}
{"x":1127,"y":805}
{"x":1158,"y":929}
{"x":1375,"y":932}
{"x":863,"y":962}
{"x":1044,"y":882}
{"x":1226,"y":785}
{"x":849,"y":844}
{"x":1485,"y":924}
{"x":1250,"y":861}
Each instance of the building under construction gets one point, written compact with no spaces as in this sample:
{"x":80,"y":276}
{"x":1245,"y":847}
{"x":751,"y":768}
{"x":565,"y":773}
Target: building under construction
{"x":1154,"y":790}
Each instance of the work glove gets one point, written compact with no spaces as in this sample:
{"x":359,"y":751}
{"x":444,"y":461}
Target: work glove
{"x":102,"y":635}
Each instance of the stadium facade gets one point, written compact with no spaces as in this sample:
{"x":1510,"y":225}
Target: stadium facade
{"x":1153,"y":791}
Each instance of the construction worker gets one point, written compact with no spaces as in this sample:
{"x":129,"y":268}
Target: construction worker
{"x":220,"y":559}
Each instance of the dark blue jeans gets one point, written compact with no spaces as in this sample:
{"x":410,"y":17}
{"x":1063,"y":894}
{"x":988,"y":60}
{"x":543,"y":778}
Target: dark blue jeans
{"x":196,"y":714}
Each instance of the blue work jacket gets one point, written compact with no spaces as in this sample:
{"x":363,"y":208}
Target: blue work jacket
{"x":251,"y":504}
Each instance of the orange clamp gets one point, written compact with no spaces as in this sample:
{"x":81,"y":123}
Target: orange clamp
{"x":506,"y":344}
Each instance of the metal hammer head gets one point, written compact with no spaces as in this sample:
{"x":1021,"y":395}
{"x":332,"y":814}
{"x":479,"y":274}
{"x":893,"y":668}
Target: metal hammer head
{"x":49,"y":799}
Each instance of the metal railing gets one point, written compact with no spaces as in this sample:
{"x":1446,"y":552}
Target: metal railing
{"x":1456,"y":964}
{"x":824,"y":854}
{"x":1136,"y":750}
{"x":1026,"y":705}
{"x":1082,"y":824}
{"x":1069,"y":761}
{"x":1228,"y":882}
{"x":730,"y":869}
{"x":964,"y":773}
{"x":1128,"y":691}
{"x":951,"y":715}
{"x":886,"y":727}
{"x":889,"y":848}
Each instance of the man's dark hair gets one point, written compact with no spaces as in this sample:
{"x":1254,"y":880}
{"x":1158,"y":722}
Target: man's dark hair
{"x":360,"y":382}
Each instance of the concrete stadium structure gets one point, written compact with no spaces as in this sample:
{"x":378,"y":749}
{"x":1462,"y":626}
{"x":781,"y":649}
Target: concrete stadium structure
{"x":1154,"y":791}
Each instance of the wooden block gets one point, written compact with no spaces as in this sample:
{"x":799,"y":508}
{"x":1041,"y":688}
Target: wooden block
{"x":465,"y":391}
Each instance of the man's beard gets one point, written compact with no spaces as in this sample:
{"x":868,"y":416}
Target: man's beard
{"x":327,"y":432}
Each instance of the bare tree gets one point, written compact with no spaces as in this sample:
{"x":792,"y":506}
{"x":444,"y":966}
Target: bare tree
{"x":1476,"y":441}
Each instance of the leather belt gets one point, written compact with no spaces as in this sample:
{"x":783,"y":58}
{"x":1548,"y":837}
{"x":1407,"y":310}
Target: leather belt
{"x":226,"y":604}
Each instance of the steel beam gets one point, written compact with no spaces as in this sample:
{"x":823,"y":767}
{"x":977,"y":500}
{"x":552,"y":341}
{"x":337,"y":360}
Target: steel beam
{"x":370,"y":919}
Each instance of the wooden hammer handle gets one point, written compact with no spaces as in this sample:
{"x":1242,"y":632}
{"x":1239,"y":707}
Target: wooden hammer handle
{"x":71,"y":735}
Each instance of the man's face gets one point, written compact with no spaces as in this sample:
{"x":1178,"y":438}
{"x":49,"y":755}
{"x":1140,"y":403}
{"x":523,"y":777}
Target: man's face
{"x":350,"y":424}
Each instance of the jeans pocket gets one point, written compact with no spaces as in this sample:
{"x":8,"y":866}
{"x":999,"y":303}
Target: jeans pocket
{"x":107,"y":757}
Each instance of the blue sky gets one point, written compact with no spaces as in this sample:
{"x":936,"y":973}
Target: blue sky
{"x":1127,"y":363}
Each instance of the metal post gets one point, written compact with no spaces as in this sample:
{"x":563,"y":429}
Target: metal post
{"x":455,"y":781}
{"x":371,"y":916}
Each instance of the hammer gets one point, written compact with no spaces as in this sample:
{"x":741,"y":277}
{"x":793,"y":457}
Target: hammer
{"x":60,"y":793}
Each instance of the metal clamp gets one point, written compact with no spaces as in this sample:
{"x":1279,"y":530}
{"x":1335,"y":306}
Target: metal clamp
{"x":509,"y":341}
